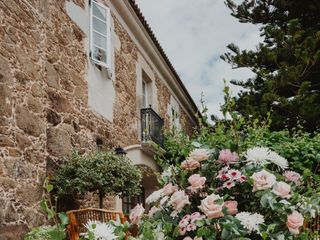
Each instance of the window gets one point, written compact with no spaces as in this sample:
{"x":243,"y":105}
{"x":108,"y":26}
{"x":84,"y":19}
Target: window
{"x":100,"y":34}
{"x":174,"y":119}
{"x":144,"y":94}
{"x":129,"y":203}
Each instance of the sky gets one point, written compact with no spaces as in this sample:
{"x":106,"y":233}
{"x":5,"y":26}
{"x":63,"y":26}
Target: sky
{"x":194,"y":33}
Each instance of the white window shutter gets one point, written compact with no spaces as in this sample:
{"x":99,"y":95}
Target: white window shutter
{"x":100,"y":34}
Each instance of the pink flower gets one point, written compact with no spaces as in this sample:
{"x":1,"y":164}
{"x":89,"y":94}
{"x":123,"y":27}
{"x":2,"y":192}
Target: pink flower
{"x":196,"y":216}
{"x":136,"y":214}
{"x":169,"y":189}
{"x":197,"y":182}
{"x":191,"y":227}
{"x":222,"y":174}
{"x":263,"y":180}
{"x":183,"y":223}
{"x":228,"y":157}
{"x":182,"y":231}
{"x":187,"y":238}
{"x":190,"y":164}
{"x":229,"y":184}
{"x":282,"y":189}
{"x":232,"y":207}
{"x":234,"y":174}
{"x":153,"y":210}
{"x":292,"y":176}
{"x":178,"y":200}
{"x":294,"y":222}
{"x":186,"y":217}
{"x":210,"y":207}
{"x":242,"y":179}
{"x":199,"y":155}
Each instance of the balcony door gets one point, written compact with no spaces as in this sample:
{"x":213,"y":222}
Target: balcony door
{"x":145,"y":95}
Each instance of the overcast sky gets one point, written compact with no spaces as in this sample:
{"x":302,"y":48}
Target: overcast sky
{"x":194,"y":33}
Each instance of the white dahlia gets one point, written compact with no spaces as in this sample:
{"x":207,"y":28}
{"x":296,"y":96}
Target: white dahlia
{"x":100,"y":230}
{"x":257,"y":156}
{"x":250,"y":221}
{"x":276,"y":159}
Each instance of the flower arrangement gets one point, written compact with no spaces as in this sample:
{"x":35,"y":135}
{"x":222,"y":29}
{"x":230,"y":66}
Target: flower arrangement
{"x":111,"y":230}
{"x":227,"y":195}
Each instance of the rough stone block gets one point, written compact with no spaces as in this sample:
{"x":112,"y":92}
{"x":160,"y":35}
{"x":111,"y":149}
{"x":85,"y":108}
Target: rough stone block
{"x":59,"y":141}
{"x":53,"y":117}
{"x":13,"y":232}
{"x":29,"y":122}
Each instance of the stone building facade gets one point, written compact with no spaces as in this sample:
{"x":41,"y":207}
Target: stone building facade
{"x":54,"y":98}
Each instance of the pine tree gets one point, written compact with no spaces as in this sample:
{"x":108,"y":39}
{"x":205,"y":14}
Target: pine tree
{"x":286,"y":63}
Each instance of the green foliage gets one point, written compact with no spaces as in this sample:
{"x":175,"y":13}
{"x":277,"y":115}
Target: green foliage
{"x":286,"y":64}
{"x":234,"y":132}
{"x":102,"y":172}
{"x":55,"y":232}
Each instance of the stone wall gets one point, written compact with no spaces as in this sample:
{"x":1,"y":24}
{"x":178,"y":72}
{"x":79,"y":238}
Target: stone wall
{"x":44,"y":111}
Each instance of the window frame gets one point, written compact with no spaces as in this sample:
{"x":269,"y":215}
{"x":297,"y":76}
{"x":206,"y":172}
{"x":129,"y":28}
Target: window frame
{"x":106,"y":64}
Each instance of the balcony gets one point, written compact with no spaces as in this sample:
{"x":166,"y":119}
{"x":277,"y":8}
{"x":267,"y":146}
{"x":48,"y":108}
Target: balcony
{"x":151,"y":127}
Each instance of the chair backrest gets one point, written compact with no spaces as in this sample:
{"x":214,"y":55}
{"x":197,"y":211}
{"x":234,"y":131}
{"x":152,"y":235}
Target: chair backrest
{"x":78,"y":218}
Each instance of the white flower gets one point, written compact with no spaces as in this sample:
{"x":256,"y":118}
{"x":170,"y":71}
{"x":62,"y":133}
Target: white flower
{"x":199,"y":154}
{"x":159,"y":234}
{"x":153,"y":210}
{"x":101,"y":231}
{"x":257,"y":156}
{"x":250,"y":221}
{"x":167,"y":173}
{"x":275,"y":158}
{"x":164,"y":200}
{"x":155,"y":196}
{"x":262,"y":156}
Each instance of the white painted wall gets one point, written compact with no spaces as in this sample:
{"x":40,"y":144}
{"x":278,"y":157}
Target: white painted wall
{"x":101,"y":89}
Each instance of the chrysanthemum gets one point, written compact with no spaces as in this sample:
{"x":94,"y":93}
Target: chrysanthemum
{"x":257,"y":156}
{"x":275,"y":158}
{"x":250,"y":221}
{"x":100,"y":230}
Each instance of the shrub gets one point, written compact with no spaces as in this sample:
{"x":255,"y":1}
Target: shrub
{"x":102,"y":172}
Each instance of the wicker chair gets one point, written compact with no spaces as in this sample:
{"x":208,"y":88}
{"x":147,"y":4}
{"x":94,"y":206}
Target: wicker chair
{"x":78,"y":218}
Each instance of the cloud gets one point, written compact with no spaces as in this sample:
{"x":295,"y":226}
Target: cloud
{"x":194,"y":34}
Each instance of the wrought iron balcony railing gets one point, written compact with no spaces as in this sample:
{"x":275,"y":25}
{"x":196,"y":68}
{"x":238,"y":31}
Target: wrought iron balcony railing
{"x":151,"y":126}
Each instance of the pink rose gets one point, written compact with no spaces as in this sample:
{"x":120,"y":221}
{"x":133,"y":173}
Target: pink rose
{"x":263,"y":180}
{"x":136,"y":214}
{"x":169,"y":189}
{"x":232,"y":207}
{"x":292,"y":176}
{"x":187,"y":238}
{"x":178,"y":200}
{"x":190,"y":164}
{"x":197,"y":182}
{"x":282,"y":189}
{"x":294,"y":222}
{"x":210,"y":207}
{"x":199,"y":155}
{"x":228,"y":157}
